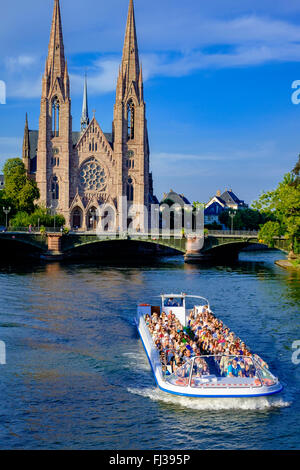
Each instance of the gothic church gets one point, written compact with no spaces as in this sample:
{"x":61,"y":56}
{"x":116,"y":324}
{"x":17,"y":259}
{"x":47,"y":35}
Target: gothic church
{"x":76,"y":172}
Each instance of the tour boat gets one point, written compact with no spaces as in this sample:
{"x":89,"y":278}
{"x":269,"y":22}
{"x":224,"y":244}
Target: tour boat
{"x":205,"y":375}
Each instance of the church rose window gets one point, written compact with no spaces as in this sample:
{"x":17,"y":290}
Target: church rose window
{"x":92,"y":176}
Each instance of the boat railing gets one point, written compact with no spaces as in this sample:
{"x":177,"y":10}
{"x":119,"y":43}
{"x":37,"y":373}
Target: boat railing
{"x":214,"y":371}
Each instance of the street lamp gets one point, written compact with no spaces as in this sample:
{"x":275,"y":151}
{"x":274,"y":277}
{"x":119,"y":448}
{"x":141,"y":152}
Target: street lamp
{"x":52,"y":205}
{"x":232,"y":216}
{"x":6,"y":211}
{"x":54,"y":213}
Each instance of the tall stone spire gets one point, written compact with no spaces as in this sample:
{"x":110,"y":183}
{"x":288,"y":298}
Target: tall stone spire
{"x":85,"y":110}
{"x":130,"y":60}
{"x":55,"y":64}
{"x":55,"y":145}
{"x":26,"y":146}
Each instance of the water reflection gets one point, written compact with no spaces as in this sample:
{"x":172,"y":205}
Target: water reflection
{"x":77,"y":375}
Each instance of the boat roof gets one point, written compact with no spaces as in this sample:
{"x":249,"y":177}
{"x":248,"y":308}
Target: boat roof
{"x":183,"y":296}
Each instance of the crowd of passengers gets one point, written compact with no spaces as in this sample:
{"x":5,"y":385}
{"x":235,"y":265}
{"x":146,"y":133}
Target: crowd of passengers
{"x":204,"y":335}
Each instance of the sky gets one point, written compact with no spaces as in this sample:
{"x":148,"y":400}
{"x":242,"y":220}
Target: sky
{"x":218,"y":84}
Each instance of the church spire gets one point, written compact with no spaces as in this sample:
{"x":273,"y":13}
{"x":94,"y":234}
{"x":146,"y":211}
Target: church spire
{"x":56,"y":67}
{"x":26,"y":146}
{"x":85,"y":111}
{"x":130,"y":60}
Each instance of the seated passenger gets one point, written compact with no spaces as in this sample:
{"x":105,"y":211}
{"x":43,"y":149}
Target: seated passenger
{"x":198,"y":367}
{"x":234,"y":369}
{"x":205,"y":370}
{"x":248,"y":372}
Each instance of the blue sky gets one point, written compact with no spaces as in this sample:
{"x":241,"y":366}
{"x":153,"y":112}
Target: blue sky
{"x":218,"y":79}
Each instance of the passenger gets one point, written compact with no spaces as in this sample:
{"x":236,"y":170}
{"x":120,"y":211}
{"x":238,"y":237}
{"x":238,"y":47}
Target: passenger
{"x":234,"y":369}
{"x":205,"y":370}
{"x":176,"y":363}
{"x":247,"y":371}
{"x":187,"y":356}
{"x":198,"y":367}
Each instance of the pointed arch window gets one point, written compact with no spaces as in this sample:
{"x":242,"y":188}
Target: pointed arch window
{"x":130,"y":190}
{"x":130,"y":159}
{"x":55,"y":117}
{"x":55,"y":188}
{"x":130,"y":119}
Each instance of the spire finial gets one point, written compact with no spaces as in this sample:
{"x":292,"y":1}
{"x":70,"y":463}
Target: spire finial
{"x":85,"y":110}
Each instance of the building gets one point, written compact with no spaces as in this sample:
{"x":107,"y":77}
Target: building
{"x":175,"y":198}
{"x":1,"y":182}
{"x":77,"y":172}
{"x":219,"y":203}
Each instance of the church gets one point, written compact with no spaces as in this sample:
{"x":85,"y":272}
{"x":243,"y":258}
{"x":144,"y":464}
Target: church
{"x":78,"y":172}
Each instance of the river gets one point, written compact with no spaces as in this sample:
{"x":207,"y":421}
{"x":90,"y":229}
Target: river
{"x":77,"y":376}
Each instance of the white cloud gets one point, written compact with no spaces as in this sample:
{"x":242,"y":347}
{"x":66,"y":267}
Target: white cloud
{"x":19,"y":62}
{"x":102,"y":77}
{"x":24,"y":87}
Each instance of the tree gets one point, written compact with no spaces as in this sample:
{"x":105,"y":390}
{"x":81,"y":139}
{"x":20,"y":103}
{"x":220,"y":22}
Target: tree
{"x":20,"y":192}
{"x":268,"y":231}
{"x":244,"y":219}
{"x":2,"y":204}
{"x":40,"y":217}
{"x":283,"y":204}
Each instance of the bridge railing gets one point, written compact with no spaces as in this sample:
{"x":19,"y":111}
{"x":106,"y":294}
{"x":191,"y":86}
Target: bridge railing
{"x":27,"y":230}
{"x":161,"y":234}
{"x":234,"y":233}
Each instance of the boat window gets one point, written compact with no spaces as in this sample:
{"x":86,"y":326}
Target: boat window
{"x":173,"y":302}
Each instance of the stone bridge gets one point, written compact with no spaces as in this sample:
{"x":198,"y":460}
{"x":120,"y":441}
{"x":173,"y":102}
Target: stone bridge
{"x":52,"y":245}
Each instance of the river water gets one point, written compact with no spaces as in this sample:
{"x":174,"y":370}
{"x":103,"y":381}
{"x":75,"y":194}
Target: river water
{"x":77,"y":376}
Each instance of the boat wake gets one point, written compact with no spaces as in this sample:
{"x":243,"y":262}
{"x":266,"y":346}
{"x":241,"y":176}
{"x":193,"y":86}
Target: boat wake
{"x":253,"y":403}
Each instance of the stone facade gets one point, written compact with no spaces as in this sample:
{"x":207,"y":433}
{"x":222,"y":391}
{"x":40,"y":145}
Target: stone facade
{"x":77,"y":172}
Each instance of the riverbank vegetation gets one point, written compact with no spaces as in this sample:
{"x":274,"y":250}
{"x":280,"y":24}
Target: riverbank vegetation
{"x":19,"y":197}
{"x":283,"y":205}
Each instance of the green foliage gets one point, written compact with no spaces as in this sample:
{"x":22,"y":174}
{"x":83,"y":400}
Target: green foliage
{"x":295,"y":263}
{"x":244,"y":219}
{"x":198,"y":205}
{"x":40,"y":217}
{"x":268,"y":231}
{"x":20,"y":192}
{"x":21,"y":219}
{"x":2,"y":204}
{"x":167,"y":201}
{"x":284,"y":205}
